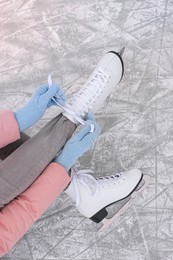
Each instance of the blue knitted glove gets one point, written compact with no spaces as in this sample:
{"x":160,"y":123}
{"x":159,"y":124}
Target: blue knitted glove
{"x":39,"y":102}
{"x":77,"y":145}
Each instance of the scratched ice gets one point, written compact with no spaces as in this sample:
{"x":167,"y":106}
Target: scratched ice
{"x":69,"y":37}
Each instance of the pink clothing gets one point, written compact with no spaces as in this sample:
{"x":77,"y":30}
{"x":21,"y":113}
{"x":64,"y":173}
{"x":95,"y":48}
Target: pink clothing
{"x":19,"y":215}
{"x":9,"y":130}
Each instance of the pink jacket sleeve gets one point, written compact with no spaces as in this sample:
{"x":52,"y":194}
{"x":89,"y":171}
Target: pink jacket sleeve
{"x":9,"y":130}
{"x":19,"y":215}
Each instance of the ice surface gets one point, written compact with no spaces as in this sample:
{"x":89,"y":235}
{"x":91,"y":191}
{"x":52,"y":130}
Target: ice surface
{"x":69,"y":37}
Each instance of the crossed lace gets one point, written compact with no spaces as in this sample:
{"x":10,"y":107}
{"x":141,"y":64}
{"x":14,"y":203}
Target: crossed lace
{"x":97,"y":84}
{"x":84,"y":98}
{"x":68,"y":110}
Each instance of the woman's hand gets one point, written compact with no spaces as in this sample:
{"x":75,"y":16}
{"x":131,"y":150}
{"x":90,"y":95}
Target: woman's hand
{"x":39,"y":102}
{"x":80,"y":143}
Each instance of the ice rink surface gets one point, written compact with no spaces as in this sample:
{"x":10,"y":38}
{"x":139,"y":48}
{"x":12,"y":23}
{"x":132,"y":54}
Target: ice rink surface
{"x":69,"y":37}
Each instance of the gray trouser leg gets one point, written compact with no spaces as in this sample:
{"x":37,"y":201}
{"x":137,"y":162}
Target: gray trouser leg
{"x":20,"y":169}
{"x":7,"y":150}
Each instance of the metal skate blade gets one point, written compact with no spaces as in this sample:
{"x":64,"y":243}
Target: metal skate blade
{"x":108,"y":221}
{"x":121,"y":52}
{"x":144,"y":183}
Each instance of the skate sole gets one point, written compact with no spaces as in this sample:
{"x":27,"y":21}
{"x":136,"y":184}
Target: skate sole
{"x":100,"y":216}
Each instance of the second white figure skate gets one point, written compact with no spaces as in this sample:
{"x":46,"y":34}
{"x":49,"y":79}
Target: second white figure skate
{"x":104,"y":79}
{"x":93,"y":195}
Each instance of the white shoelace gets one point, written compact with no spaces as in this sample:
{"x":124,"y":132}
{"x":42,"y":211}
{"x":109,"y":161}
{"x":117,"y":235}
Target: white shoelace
{"x":89,"y":182}
{"x":67,"y":108}
{"x":84,"y":98}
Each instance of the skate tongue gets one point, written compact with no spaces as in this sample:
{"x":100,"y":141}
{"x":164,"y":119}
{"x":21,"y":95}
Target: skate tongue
{"x":67,"y":107}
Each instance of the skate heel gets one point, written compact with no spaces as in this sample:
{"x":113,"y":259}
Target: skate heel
{"x":99,"y":216}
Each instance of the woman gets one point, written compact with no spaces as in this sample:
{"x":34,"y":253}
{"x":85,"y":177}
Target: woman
{"x":30,"y":181}
{"x":17,"y":216}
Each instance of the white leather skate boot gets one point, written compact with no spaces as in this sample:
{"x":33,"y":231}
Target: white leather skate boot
{"x":104,"y":79}
{"x":93,"y":195}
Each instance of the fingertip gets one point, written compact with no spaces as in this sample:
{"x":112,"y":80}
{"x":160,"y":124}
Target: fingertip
{"x":86,"y":129}
{"x":45,"y":87}
{"x":97,"y":130}
{"x":64,"y":98}
{"x":88,"y":123}
{"x":53,"y":88}
{"x":60,"y":101}
{"x":90,"y":116}
{"x":60,"y":91}
{"x":41,"y":89}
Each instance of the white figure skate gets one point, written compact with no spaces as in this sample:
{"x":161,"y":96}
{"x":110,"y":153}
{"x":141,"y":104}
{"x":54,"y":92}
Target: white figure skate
{"x":104,"y":79}
{"x":93,"y":195}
